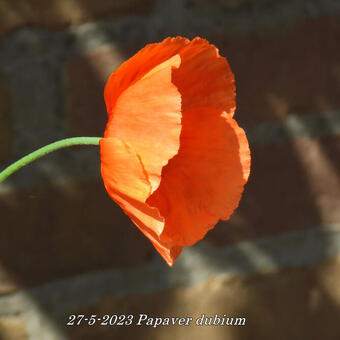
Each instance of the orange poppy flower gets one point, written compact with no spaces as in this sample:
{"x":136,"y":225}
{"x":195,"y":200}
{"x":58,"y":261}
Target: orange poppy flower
{"x":172,"y":156}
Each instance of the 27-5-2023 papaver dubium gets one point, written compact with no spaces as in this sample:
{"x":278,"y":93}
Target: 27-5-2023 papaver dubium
{"x":172,"y":156}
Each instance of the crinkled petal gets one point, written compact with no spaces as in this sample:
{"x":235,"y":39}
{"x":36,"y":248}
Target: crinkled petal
{"x":127,"y":183}
{"x":190,"y":173}
{"x":148,"y":117}
{"x":137,"y":66}
{"x":204,"y":181}
{"x":205,"y":78}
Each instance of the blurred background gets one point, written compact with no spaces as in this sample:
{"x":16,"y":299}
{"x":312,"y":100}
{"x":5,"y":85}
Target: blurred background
{"x":65,"y":246}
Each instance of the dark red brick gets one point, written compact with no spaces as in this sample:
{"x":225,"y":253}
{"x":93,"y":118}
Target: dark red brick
{"x":58,"y":231}
{"x":292,"y":186}
{"x":6,"y":132}
{"x":296,"y":69}
{"x":85,"y":79}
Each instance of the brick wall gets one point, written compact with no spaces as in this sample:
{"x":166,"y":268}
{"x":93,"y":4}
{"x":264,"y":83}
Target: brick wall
{"x":66,"y":248}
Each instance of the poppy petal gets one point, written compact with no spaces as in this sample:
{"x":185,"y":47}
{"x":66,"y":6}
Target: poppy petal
{"x":127,"y":182}
{"x":171,"y":130}
{"x":203,"y":73}
{"x":167,"y":250}
{"x":147,"y":116}
{"x":204,"y":181}
{"x":137,"y":66}
{"x":205,"y":78}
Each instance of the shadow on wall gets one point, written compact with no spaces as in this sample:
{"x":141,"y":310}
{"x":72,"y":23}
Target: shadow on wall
{"x":61,"y":14}
{"x":57,"y":231}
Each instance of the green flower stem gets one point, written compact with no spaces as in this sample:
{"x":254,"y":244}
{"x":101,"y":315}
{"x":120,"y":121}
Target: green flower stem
{"x":64,"y":143}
